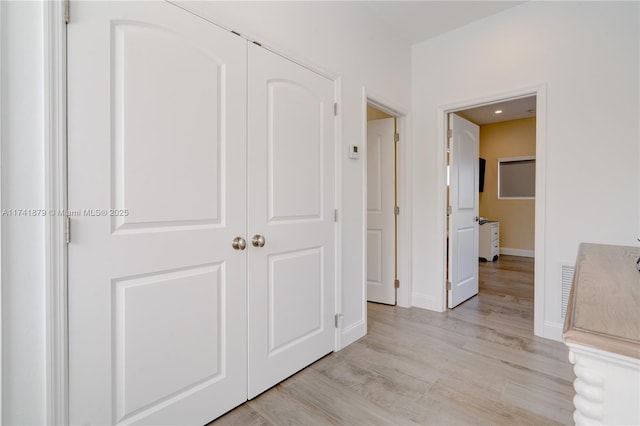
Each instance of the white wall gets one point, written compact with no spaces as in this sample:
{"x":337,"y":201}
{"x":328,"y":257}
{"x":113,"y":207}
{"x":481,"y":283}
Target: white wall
{"x":334,"y":37}
{"x":339,"y":39}
{"x":23,"y":249}
{"x":587,"y":54}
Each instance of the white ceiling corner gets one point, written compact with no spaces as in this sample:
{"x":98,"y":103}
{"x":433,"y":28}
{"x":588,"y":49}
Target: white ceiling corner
{"x":415,"y":21}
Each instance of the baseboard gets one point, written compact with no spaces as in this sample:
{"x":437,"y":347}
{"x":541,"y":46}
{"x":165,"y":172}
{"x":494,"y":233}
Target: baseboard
{"x":352,"y":333}
{"x":426,"y":301}
{"x":517,"y":252}
{"x":552,"y":330}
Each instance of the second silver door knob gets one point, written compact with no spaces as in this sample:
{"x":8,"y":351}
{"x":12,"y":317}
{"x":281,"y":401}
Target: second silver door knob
{"x":258,"y":240}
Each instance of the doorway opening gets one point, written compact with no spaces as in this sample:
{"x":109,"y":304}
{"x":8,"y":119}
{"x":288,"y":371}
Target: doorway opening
{"x":382,"y":206}
{"x":505,"y":225}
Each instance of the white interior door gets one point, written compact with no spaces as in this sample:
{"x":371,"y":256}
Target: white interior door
{"x":463,"y":220}
{"x":291,"y":205}
{"x":157,"y":175}
{"x":381,"y":211}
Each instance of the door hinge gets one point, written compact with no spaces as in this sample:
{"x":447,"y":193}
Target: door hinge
{"x":396,"y":210}
{"x":396,"y":283}
{"x":67,"y":11}
{"x":337,"y":319}
{"x":449,"y":210}
{"x":335,"y":108}
{"x":67,"y":229}
{"x":396,"y":137}
{"x":335,"y":215}
{"x":450,"y":133}
{"x":448,"y":285}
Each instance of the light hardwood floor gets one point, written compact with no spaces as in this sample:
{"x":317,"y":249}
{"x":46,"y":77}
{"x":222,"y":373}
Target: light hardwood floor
{"x":476,"y":364}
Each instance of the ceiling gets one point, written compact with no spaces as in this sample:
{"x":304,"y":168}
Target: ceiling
{"x":511,"y":110}
{"x":414,"y":21}
{"x":411,"y":22}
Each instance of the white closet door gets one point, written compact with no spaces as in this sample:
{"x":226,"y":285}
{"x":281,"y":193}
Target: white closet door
{"x":157,"y":149}
{"x":291,"y":204}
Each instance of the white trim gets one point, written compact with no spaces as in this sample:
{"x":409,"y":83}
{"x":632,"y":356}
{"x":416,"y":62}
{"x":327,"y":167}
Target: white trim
{"x":426,"y":301}
{"x":439,"y":299}
{"x":405,"y":225}
{"x":384,"y":105}
{"x":553,"y":330}
{"x":403,"y":184}
{"x":604,"y":356}
{"x":540,"y":213}
{"x":2,"y":5}
{"x":55,"y":184}
{"x":517,"y":252}
{"x":354,"y":332}
{"x":364,"y":221}
{"x":541,"y":328}
{"x":338,"y":339}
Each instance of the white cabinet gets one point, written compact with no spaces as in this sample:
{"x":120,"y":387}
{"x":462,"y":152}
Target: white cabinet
{"x":602,"y":331}
{"x":489,"y":241}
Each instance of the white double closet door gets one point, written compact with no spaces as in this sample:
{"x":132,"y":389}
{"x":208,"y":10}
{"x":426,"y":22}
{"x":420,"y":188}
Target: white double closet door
{"x":182,"y":138}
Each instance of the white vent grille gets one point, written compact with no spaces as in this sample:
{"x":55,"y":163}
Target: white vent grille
{"x":567,"y":279}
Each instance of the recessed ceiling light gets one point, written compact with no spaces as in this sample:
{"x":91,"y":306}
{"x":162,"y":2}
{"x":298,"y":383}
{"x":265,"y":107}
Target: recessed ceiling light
{"x":498,"y":111}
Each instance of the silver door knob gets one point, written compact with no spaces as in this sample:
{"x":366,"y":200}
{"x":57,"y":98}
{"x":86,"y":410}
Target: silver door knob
{"x":258,"y":241}
{"x":239,"y":243}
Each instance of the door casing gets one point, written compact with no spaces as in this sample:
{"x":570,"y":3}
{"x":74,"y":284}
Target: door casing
{"x":540,"y":92}
{"x":403,"y":185}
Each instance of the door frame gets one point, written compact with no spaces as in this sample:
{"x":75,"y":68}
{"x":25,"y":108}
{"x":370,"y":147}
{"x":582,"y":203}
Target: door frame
{"x":1,"y":208}
{"x":540,"y":328}
{"x":403,"y":185}
{"x":54,"y":39}
{"x":55,"y":163}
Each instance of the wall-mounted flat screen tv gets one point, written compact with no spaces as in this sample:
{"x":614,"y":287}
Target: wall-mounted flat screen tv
{"x":482,"y":165}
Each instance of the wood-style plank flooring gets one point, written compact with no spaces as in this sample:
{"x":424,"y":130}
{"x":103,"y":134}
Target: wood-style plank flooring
{"x":476,"y":364}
